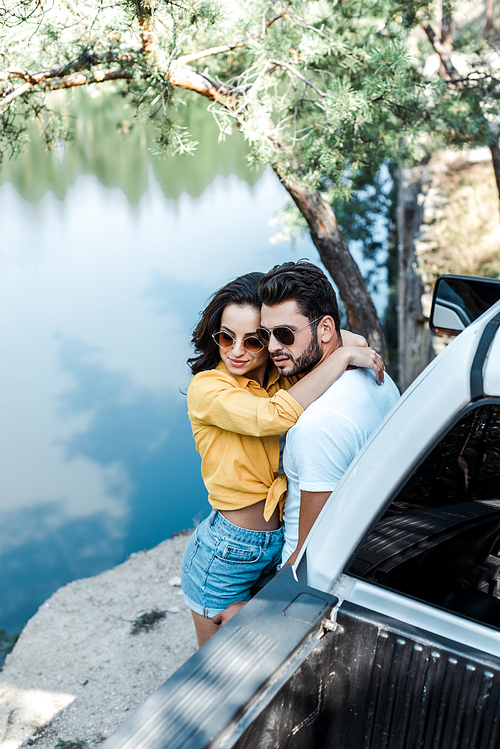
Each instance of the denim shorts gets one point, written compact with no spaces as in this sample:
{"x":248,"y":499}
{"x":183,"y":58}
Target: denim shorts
{"x":223,"y":562}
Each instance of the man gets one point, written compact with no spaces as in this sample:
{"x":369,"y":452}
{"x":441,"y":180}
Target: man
{"x":300,"y":323}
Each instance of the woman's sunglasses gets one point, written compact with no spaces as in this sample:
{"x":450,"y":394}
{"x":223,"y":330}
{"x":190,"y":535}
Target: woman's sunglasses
{"x":226,"y":340}
{"x":284,"y":335}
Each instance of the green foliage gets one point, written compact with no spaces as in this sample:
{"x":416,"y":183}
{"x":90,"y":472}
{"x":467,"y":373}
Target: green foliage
{"x":323,"y":92}
{"x":323,"y":88}
{"x":147,"y":621}
{"x":464,"y":109}
{"x":78,"y":744}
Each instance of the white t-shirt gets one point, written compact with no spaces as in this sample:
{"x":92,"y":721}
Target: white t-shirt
{"x":328,"y":436}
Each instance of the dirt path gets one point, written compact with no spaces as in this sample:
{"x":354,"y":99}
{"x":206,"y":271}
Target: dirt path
{"x":77,"y":671}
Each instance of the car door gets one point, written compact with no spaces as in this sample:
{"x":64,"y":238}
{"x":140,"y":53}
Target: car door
{"x":423,"y":590}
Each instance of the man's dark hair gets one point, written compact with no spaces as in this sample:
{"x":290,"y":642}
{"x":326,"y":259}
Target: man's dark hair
{"x":304,"y":283}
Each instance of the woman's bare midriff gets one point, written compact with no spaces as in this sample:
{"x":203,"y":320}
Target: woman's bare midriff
{"x":252,"y":517}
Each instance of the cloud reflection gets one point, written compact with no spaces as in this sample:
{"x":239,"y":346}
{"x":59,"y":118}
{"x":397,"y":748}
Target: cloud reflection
{"x":42,"y":550}
{"x":141,"y":443}
{"x":146,"y":433}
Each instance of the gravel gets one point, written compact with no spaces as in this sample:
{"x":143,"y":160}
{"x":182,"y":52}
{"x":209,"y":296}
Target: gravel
{"x":78,"y":671}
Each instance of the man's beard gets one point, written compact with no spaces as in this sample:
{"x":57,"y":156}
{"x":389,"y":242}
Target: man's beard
{"x":306,"y":361}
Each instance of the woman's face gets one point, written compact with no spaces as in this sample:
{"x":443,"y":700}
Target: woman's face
{"x":240,"y":323}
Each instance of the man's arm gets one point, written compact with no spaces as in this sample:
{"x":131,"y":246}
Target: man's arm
{"x":311,"y":504}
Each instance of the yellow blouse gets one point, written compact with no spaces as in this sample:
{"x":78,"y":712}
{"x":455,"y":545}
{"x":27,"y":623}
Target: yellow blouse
{"x":235,"y":425}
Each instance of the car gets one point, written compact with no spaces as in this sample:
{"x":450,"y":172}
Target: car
{"x":386,"y":633}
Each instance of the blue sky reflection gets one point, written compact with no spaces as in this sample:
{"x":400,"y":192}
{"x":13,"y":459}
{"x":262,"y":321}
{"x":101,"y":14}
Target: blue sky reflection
{"x":97,"y":304}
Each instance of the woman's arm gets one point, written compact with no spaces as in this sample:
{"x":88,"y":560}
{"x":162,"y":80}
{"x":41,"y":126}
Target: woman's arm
{"x":214,"y":399}
{"x":330,"y":369}
{"x":353,"y":339}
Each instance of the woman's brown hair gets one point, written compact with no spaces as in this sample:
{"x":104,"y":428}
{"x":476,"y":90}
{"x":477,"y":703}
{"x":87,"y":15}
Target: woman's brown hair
{"x":242,"y":291}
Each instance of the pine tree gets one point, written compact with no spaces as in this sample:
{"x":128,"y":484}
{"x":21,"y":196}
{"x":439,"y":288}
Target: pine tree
{"x":324,"y":92}
{"x":465,"y":108}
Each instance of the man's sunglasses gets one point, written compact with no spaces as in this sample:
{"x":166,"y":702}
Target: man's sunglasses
{"x":226,"y":340}
{"x":284,"y":335}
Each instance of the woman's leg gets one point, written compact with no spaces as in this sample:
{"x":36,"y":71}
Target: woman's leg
{"x":197,"y":558}
{"x":205,"y":628}
{"x":221,"y":563}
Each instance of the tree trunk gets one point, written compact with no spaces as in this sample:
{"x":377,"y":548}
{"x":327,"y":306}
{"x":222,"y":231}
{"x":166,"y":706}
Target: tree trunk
{"x":495,"y":155}
{"x":414,"y":338}
{"x":334,"y":252}
{"x":446,"y":39}
{"x":489,"y":17}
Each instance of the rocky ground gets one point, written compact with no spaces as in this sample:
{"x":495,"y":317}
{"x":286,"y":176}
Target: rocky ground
{"x":81,"y":666}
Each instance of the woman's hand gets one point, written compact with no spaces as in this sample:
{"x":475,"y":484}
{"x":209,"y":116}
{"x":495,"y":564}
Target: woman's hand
{"x":333,"y":366}
{"x":353,"y":339}
{"x":364,"y":357}
{"x":224,"y":616}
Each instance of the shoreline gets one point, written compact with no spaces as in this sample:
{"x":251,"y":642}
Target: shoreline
{"x":7,"y":642}
{"x":91,"y":654}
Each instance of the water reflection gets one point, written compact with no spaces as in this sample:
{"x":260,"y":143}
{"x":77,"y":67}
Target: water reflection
{"x":112,"y":145}
{"x":137,"y":432}
{"x":107,"y":257}
{"x":99,"y":290}
{"x":42,"y":549}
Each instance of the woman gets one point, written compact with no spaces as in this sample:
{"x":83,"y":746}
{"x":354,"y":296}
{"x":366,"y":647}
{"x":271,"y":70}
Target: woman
{"x":238,"y":406}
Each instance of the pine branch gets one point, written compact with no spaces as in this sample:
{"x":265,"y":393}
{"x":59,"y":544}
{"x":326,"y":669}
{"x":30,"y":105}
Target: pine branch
{"x":211,"y":51}
{"x":10,"y":73}
{"x":183,"y":76}
{"x":100,"y":76}
{"x":295,"y":72}
{"x":441,"y":50}
{"x":67,"y":81}
{"x":180,"y":76}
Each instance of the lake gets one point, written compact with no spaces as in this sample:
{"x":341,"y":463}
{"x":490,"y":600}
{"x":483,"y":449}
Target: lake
{"x":107,"y":256}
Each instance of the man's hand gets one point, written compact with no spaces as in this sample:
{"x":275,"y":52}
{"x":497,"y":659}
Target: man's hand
{"x":224,"y":616}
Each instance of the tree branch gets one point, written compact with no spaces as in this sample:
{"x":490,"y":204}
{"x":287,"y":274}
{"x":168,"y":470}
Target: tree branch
{"x":68,"y":81}
{"x":292,"y":70}
{"x":10,"y":73}
{"x":32,"y":78}
{"x":85,"y":61}
{"x":183,"y":76}
{"x":442,"y":51}
{"x":79,"y":79}
{"x":211,"y":51}
{"x":19,"y":91}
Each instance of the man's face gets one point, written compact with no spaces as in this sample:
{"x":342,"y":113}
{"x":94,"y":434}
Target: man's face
{"x":305,"y":352}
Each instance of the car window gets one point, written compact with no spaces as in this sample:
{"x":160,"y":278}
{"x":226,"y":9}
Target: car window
{"x":439,"y":541}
